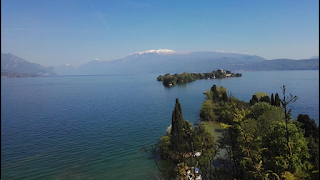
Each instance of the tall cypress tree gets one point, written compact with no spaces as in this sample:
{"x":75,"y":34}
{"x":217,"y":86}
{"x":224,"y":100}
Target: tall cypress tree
{"x":272,"y":100}
{"x":177,"y":126}
{"x":277,"y":100}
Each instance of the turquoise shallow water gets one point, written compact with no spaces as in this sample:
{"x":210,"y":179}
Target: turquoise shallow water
{"x":92,"y":127}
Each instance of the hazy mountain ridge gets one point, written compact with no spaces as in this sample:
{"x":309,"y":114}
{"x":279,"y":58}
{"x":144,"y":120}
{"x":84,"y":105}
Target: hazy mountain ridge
{"x":15,"y":65}
{"x":167,"y":62}
{"x":155,"y":61}
{"x":285,"y":64}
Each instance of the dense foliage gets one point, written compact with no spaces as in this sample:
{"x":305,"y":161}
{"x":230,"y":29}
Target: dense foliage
{"x":180,"y":148}
{"x":169,"y":80}
{"x":262,"y":142}
{"x":219,"y":105}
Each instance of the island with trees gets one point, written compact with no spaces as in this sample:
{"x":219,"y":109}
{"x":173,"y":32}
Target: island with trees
{"x":260,"y":140}
{"x":170,"y":80}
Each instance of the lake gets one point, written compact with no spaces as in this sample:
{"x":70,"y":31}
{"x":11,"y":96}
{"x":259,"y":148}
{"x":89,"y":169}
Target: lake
{"x":92,"y":127}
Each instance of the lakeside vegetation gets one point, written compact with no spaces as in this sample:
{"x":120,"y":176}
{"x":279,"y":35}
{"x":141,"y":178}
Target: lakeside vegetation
{"x":6,"y":74}
{"x":184,"y":149}
{"x":260,"y":141}
{"x":170,"y":80}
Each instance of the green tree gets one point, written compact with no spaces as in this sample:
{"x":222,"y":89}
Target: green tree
{"x":272,"y":100}
{"x":264,"y":115}
{"x":260,"y":94}
{"x":277,"y":100}
{"x":224,"y":97}
{"x":215,"y":93}
{"x":177,"y":126}
{"x":207,"y":111}
{"x":313,"y":145}
{"x":254,"y":100}
{"x":265,"y":99}
{"x":311,"y":133}
{"x":281,"y":156}
{"x":181,"y":141}
{"x":168,"y":79}
{"x":226,"y":112}
{"x":260,"y":108}
{"x":284,"y":102}
{"x":164,"y":145}
{"x":308,"y":125}
{"x":160,"y":78}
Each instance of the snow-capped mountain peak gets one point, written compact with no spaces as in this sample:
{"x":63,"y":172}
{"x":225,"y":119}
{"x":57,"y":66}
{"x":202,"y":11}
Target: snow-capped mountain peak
{"x":159,"y":51}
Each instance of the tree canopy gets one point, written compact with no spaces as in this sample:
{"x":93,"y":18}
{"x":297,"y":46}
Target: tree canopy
{"x":178,"y":147}
{"x":262,"y":142}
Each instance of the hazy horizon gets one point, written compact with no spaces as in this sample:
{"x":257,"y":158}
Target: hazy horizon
{"x":55,"y":33}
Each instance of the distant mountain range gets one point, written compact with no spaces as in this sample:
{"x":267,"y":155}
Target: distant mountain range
{"x":284,"y":64}
{"x":168,"y":61}
{"x":163,"y":61}
{"x":14,"y":66}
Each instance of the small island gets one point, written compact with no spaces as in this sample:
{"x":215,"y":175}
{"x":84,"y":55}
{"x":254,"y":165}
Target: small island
{"x":170,"y":80}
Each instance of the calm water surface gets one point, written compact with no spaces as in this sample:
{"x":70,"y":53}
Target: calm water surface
{"x":92,"y":127}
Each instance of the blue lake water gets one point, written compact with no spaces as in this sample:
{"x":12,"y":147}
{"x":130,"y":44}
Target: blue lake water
{"x":92,"y":127}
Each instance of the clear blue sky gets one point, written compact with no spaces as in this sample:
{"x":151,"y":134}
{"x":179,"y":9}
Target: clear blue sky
{"x":57,"y":32}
